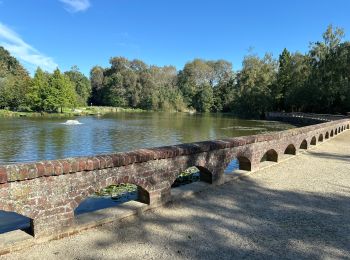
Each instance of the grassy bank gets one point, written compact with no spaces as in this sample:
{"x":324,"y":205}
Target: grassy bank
{"x":68,"y":112}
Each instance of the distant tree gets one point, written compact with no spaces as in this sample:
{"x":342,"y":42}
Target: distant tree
{"x":284,"y":80}
{"x":198,"y":76}
{"x":62,"y":91}
{"x":39,"y":90}
{"x":98,"y":88}
{"x":255,"y":83}
{"x":327,"y":91}
{"x":82,"y":85}
{"x":14,"y":82}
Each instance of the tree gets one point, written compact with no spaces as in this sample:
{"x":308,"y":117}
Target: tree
{"x":324,"y":80}
{"x":82,"y":85}
{"x":14,"y":82}
{"x":255,"y":82}
{"x":39,"y":90}
{"x":198,"y":76}
{"x":284,"y":80}
{"x":98,"y":88}
{"x":62,"y":92}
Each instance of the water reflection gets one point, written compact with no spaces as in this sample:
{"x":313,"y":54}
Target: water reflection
{"x":23,"y":139}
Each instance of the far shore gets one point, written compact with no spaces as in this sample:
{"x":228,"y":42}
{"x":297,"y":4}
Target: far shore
{"x":69,"y":112}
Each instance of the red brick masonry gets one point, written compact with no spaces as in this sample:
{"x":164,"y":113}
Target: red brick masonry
{"x":49,"y":191}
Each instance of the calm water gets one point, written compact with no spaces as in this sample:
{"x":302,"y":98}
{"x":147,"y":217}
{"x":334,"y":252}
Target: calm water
{"x":33,"y":139}
{"x":28,"y":139}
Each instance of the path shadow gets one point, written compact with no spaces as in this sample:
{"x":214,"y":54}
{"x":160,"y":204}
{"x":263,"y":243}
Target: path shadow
{"x":332,"y":156}
{"x":242,"y":220}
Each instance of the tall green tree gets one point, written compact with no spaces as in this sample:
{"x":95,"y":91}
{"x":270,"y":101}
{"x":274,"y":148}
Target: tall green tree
{"x":82,"y":85}
{"x":255,"y":83}
{"x":62,"y":91}
{"x":14,"y":82}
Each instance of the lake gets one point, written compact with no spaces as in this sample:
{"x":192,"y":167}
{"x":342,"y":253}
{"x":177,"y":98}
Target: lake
{"x":35,"y":139}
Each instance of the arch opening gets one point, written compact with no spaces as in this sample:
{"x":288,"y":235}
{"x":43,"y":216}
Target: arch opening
{"x":11,"y":221}
{"x":190,"y":175}
{"x":313,"y":141}
{"x":327,"y":135}
{"x":271,"y":155}
{"x":112,"y":196}
{"x":303,"y":145}
{"x":320,"y":138}
{"x":290,"y":150}
{"x":332,"y":133}
{"x":238,"y":163}
{"x":348,"y":126}
{"x":342,"y":128}
{"x":336,"y":131}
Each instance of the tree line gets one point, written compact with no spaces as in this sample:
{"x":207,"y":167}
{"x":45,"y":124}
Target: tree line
{"x":317,"y":81}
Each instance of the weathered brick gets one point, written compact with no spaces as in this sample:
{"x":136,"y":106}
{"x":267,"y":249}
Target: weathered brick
{"x":90,"y":165}
{"x":82,"y":165}
{"x":3,"y":175}
{"x":49,"y":169}
{"x":41,"y":169}
{"x":96,"y":163}
{"x":74,"y":165}
{"x":66,"y":166}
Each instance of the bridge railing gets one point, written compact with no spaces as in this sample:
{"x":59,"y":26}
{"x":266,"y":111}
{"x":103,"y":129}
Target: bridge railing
{"x":319,"y":117}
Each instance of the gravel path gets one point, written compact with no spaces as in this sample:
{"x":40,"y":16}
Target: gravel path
{"x":298,"y":209}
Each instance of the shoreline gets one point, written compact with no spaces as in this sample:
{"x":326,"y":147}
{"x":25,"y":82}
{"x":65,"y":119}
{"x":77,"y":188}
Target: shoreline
{"x":80,"y":111}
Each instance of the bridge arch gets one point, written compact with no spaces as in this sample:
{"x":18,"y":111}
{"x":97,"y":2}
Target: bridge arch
{"x":11,"y":221}
{"x":205,"y":174}
{"x":303,"y":145}
{"x":270,"y":155}
{"x":348,"y":126}
{"x":142,"y":190}
{"x":332,"y":133}
{"x":327,"y":135}
{"x":336,"y":131}
{"x":320,"y":138}
{"x":313,"y":141}
{"x":290,"y":149}
{"x":244,"y":163}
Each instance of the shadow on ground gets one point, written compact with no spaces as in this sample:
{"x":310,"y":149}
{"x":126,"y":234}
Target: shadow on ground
{"x":244,"y":220}
{"x":331,"y":156}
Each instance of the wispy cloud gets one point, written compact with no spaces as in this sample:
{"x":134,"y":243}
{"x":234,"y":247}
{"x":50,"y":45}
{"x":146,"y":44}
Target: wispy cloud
{"x":13,"y":42}
{"x":76,"y":5}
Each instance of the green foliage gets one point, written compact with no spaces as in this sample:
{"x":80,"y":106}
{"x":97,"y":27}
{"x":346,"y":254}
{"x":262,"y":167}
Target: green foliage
{"x":137,"y":85}
{"x":82,"y":85}
{"x":14,"y":81}
{"x":62,"y":91}
{"x":255,"y":83}
{"x":204,"y":82}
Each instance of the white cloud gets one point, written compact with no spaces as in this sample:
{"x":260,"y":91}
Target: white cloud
{"x":76,"y":5}
{"x":13,"y":42}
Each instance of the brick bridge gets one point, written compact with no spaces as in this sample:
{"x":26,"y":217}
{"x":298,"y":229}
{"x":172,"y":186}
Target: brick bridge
{"x":48,"y":192}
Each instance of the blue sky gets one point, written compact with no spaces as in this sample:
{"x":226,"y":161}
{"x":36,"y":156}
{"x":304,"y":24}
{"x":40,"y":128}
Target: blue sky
{"x":85,"y":33}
